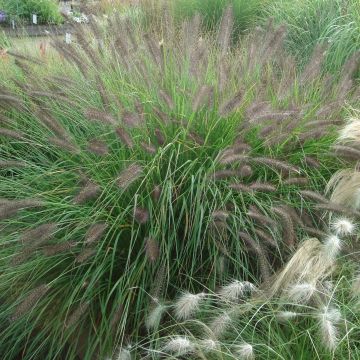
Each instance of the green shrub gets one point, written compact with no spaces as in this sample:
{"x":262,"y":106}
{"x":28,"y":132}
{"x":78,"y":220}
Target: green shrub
{"x":333,"y":22}
{"x":46,"y":10}
{"x":131,"y":167}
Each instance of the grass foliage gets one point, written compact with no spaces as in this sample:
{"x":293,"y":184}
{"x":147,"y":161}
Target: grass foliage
{"x":132,"y":167}
{"x":335,"y":23}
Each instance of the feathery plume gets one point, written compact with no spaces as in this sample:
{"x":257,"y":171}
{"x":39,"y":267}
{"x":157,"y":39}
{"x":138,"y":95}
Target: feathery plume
{"x":332,"y":246}
{"x":51,"y":250}
{"x":220,"y":215}
{"x":129,"y":175}
{"x":265,"y":187}
{"x":343,"y":227}
{"x":141,"y":215}
{"x":289,"y":234}
{"x":225,"y":29}
{"x":161,"y":115}
{"x":208,"y":345}
{"x":220,"y":324}
{"x":95,"y":232}
{"x":51,"y":123}
{"x":347,"y":152}
{"x":224,"y":174}
{"x":154,"y":50}
{"x":313,"y":68}
{"x":235,"y":290}
{"x":253,"y":213}
{"x":229,"y":106}
{"x":245,"y":171}
{"x":124,"y":137}
{"x":301,"y":293}
{"x":159,"y":137}
{"x":8,"y":164}
{"x":227,"y":158}
{"x":179,"y":346}
{"x":152,"y":249}
{"x":154,"y":317}
{"x":123,"y":354}
{"x":241,"y":187}
{"x":187,"y":304}
{"x":38,"y":235}
{"x":94,"y":114}
{"x":149,"y":148}
{"x":88,"y":192}
{"x":244,"y":351}
{"x":257,"y":248}
{"x":328,"y":319}
{"x":314,"y":232}
{"x":131,"y":119}
{"x":266,"y":237}
{"x":276,"y":164}
{"x":98,"y":147}
{"x":156,"y":192}
{"x":30,"y":301}
{"x":28,"y":58}
{"x":300,"y":181}
{"x":10,"y":133}
{"x":327,"y":109}
{"x":285,"y":316}
{"x":312,"y":195}
{"x":311,"y":162}
{"x":351,"y":130}
{"x":203,"y":95}
{"x":75,"y":317}
{"x":64,"y":144}
{"x":85,"y":254}
{"x":167,"y":99}
{"x":12,"y":207}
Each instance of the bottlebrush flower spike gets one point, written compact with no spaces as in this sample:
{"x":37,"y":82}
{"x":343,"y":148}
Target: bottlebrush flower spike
{"x":236,"y":289}
{"x":301,"y":293}
{"x":284,"y":316}
{"x":155,"y":315}
{"x":187,"y":304}
{"x":343,"y":227}
{"x":328,"y":319}
{"x":332,"y":246}
{"x":179,"y":346}
{"x":244,"y":351}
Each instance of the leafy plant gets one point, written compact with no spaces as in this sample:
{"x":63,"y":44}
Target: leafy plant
{"x":131,"y":167}
{"x":47,"y":10}
{"x":334,"y":23}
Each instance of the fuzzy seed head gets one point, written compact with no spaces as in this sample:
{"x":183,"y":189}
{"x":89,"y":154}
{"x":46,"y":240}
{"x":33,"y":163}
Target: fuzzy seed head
{"x":179,"y":346}
{"x":332,"y":246}
{"x":155,"y":315}
{"x":343,"y":227}
{"x":328,"y":319}
{"x":235,"y":290}
{"x":187,"y":305}
{"x":301,"y":293}
{"x":284,"y":316}
{"x":244,"y":351}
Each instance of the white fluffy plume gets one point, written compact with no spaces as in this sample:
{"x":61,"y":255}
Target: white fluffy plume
{"x":328,"y":319}
{"x":179,"y":345}
{"x":301,"y":293}
{"x":284,"y":316}
{"x":208,"y":345}
{"x":244,"y":351}
{"x":123,"y":354}
{"x":236,"y":289}
{"x":343,"y":227}
{"x":332,"y":246}
{"x":187,"y":305}
{"x":220,"y":324}
{"x":154,"y":317}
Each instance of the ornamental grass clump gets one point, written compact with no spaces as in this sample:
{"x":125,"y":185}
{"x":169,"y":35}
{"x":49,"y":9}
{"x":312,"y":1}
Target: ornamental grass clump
{"x":151,"y":160}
